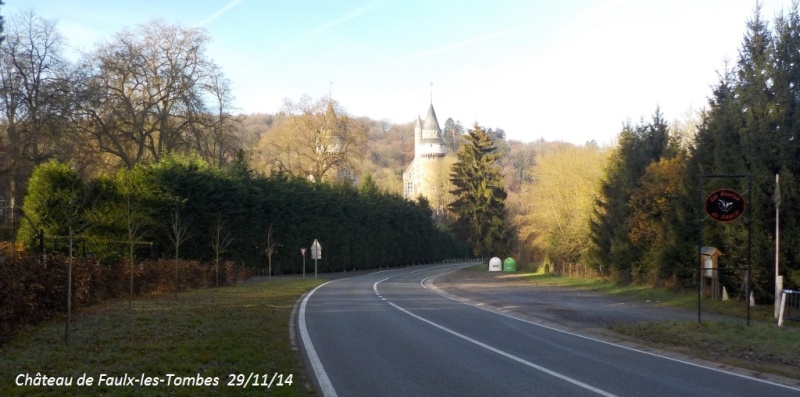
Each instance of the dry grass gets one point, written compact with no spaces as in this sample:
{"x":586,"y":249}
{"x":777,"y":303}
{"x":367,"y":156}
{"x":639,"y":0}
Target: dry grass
{"x":213,"y":333}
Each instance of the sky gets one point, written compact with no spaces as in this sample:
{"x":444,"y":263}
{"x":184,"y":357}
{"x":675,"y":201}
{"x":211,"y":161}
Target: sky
{"x":561,"y":70}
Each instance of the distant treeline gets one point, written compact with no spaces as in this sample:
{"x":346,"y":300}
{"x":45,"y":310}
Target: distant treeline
{"x":187,"y":208}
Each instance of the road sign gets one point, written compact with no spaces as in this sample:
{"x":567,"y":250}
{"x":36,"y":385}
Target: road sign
{"x":316,"y":253}
{"x":724,"y":205}
{"x":303,"y":252}
{"x":316,"y":250}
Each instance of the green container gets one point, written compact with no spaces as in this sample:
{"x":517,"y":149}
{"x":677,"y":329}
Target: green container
{"x":509,"y":265}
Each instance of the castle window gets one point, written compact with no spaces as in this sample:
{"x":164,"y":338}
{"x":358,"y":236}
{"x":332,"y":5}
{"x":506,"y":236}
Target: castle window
{"x":409,"y":188}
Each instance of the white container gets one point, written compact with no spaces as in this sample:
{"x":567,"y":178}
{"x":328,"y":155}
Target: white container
{"x":495,"y":265}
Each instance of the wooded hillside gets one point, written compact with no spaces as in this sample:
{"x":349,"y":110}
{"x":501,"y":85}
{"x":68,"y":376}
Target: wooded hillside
{"x":629,"y":212}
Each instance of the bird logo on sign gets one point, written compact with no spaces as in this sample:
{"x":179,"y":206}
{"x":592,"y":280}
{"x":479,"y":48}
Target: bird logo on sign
{"x":725,"y":206}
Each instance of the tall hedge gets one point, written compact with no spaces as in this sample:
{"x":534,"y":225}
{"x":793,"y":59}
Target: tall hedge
{"x":357,"y":230}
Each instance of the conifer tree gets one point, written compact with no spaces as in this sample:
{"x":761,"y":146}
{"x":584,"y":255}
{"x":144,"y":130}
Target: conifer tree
{"x":479,"y":204}
{"x":612,"y":251}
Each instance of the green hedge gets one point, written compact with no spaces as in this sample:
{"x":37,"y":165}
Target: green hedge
{"x":357,"y":230}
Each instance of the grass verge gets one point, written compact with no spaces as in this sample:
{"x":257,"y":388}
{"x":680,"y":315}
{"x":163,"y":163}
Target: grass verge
{"x":214,"y":333}
{"x":762,"y":347}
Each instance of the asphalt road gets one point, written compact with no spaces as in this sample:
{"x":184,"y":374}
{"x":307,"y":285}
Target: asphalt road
{"x":386,"y":334}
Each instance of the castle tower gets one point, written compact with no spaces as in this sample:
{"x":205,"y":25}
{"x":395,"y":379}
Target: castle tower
{"x":417,"y":133}
{"x":331,"y":146}
{"x":427,"y":175}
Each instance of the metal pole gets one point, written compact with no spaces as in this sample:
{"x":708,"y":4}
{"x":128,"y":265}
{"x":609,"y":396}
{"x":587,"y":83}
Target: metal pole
{"x":749,"y":243}
{"x":304,"y":265}
{"x":315,"y":268}
{"x":13,"y":224}
{"x":699,"y":252}
{"x":777,"y":245}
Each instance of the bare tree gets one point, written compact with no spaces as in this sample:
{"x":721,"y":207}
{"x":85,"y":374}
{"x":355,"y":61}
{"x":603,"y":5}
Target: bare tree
{"x":34,"y":97}
{"x":135,"y":215}
{"x":220,"y":141}
{"x":441,"y":187}
{"x":553,"y":218}
{"x":272,"y":249}
{"x":178,"y":233}
{"x":146,"y":93}
{"x":220,"y":240}
{"x":314,"y":140}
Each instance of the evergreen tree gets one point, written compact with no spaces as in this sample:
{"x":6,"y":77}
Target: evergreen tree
{"x":756,"y":93}
{"x":368,"y":186}
{"x":786,"y":70}
{"x":613,"y":251}
{"x":452,"y":133}
{"x":479,"y":204}
{"x":751,"y":127}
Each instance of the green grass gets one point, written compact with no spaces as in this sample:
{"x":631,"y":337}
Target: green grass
{"x":214,"y":333}
{"x":682,"y":299}
{"x":762,"y":347}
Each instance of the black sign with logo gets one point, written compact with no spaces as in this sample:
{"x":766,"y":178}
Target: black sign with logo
{"x":724,"y":205}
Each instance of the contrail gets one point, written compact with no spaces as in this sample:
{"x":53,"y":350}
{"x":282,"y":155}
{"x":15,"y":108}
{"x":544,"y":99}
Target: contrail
{"x":219,"y":13}
{"x":350,"y":15}
{"x":448,"y":47}
{"x":355,"y":13}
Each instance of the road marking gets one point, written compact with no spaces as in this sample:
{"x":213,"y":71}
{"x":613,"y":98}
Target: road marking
{"x":322,"y":376}
{"x":479,"y":305}
{"x":319,"y":371}
{"x":495,"y":350}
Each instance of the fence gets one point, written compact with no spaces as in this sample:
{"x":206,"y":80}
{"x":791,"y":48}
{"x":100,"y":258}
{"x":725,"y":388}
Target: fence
{"x":790,"y":306}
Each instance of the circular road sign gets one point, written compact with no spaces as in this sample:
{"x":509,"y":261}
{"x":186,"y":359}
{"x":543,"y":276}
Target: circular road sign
{"x":724,"y":205}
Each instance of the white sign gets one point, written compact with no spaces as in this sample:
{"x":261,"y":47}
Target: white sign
{"x":316,"y":250}
{"x":303,"y":251}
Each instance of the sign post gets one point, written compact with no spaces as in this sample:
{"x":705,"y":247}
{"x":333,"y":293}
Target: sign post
{"x":778,"y":278}
{"x":725,"y":205}
{"x":316,"y":254}
{"x":303,"y":252}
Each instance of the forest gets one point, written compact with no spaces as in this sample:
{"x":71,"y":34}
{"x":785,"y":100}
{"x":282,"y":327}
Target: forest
{"x":129,"y":110}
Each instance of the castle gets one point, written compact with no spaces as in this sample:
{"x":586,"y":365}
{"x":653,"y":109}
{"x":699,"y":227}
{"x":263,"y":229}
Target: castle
{"x":428,"y":174}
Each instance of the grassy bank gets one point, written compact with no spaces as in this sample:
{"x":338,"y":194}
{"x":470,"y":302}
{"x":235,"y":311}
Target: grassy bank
{"x":209,"y":334}
{"x":762,"y":347}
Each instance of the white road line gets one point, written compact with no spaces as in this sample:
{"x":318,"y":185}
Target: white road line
{"x":511,"y":316}
{"x":319,"y":371}
{"x":322,"y":376}
{"x":495,"y":350}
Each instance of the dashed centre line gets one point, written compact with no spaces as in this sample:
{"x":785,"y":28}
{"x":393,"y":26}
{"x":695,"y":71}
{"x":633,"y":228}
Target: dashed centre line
{"x":493,"y":349}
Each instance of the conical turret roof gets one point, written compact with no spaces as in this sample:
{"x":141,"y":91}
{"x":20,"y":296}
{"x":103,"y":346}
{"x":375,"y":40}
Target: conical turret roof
{"x":431,"y":123}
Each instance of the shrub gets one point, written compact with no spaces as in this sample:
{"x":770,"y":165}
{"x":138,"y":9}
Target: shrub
{"x":32,"y":291}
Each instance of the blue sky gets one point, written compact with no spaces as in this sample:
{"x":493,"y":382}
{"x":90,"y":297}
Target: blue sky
{"x":571,"y":70}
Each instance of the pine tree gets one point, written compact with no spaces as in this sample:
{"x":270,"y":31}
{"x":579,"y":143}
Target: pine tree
{"x":479,"y":204}
{"x":612,"y":250}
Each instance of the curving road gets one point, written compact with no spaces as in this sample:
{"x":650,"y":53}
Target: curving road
{"x":387,"y":334}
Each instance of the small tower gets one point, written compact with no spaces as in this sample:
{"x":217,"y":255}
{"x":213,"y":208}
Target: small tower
{"x":331,"y":145}
{"x":432,"y":145}
{"x":417,"y":132}
{"x":427,"y":174}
